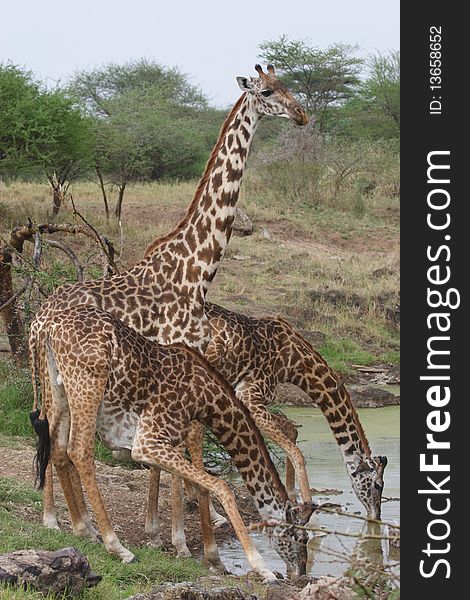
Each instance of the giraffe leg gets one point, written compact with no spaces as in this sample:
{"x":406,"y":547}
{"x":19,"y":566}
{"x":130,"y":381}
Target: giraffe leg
{"x":81,"y":504}
{"x":211,"y":553}
{"x":178,"y":536}
{"x":80,"y":451}
{"x":49,"y":516}
{"x":59,"y":430}
{"x":288,"y":427}
{"x":152,"y":525}
{"x":269,"y":427}
{"x":151,"y":450}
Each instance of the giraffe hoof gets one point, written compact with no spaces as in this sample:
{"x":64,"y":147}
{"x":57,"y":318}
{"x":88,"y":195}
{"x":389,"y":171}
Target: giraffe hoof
{"x":219,"y":522}
{"x":130,"y":559}
{"x":184,"y":553}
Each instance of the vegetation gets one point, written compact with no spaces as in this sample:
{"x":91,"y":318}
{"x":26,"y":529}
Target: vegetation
{"x":119,"y":580}
{"x":131,"y":140}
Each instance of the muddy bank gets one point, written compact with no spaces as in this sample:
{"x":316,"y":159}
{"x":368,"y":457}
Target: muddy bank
{"x":370,"y":387}
{"x":363,"y":396}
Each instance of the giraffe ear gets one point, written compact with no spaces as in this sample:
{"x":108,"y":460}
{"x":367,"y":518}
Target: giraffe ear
{"x":245,"y":84}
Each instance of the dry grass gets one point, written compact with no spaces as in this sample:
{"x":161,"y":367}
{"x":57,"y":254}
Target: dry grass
{"x":329,"y":268}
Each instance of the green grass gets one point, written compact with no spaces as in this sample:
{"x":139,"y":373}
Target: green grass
{"x":343,"y":352}
{"x":16,"y":400}
{"x":119,"y":580}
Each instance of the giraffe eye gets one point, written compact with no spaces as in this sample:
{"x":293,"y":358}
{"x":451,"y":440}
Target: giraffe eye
{"x":266,"y":93}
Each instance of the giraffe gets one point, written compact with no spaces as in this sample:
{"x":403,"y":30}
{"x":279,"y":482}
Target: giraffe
{"x":162,"y":296}
{"x":107,"y":379}
{"x":254,"y":356}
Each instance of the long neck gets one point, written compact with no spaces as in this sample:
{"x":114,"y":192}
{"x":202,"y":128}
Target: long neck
{"x":205,"y":230}
{"x":233,"y":425}
{"x":312,"y":374}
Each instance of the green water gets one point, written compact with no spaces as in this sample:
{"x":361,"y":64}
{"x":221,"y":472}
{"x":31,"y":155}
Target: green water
{"x":326,"y":471}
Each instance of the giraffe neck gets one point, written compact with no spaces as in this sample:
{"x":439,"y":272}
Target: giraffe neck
{"x":203,"y":233}
{"x":233,"y":425}
{"x":333,"y":399}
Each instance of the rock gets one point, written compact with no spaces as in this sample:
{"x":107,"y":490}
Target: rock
{"x":242,"y":225}
{"x":193,"y":591}
{"x":265,"y":233}
{"x":327,"y":588}
{"x":64,"y":571}
{"x":241,"y":257}
{"x":283,"y":591}
{"x":367,"y":396}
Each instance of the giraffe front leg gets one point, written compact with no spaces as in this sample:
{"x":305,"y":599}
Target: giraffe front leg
{"x":152,"y":524}
{"x":211,"y":552}
{"x":270,"y":428}
{"x":150,"y":450}
{"x":290,"y":430}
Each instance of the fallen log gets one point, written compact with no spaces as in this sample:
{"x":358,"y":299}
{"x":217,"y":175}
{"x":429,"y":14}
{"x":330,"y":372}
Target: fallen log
{"x":64,"y":571}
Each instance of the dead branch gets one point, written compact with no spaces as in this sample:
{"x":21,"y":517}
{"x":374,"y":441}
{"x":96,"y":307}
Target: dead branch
{"x":20,"y":235}
{"x":71,"y":254}
{"x":109,"y":266}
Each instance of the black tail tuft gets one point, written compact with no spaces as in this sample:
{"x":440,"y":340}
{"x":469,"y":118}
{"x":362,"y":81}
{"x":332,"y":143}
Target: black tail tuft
{"x":43,"y":446}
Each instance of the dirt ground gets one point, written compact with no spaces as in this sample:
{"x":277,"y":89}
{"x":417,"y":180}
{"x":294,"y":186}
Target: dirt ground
{"x":124,"y":491}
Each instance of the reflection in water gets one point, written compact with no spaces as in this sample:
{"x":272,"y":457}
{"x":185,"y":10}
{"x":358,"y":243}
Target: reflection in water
{"x":326,"y":471}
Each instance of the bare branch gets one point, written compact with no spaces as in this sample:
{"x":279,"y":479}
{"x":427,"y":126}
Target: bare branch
{"x":71,"y":254}
{"x":109,"y":266}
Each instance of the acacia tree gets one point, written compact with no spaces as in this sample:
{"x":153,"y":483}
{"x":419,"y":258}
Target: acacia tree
{"x":148,"y":124}
{"x":374,"y":110}
{"x":320,"y":78}
{"x":42,"y":132}
{"x":384,"y":83}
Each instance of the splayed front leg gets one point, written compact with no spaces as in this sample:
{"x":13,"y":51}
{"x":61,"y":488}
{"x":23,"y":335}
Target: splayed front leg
{"x":151,"y":450}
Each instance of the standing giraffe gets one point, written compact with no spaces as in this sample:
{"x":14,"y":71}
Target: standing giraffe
{"x":106,"y":378}
{"x":254,"y":356}
{"x":162,"y":296}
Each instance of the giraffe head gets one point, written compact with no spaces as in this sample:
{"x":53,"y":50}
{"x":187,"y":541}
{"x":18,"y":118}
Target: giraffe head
{"x":290,"y":541}
{"x":271,"y":96}
{"x":366,"y":474}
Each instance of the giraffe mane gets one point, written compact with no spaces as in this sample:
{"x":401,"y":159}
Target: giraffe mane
{"x":202,"y":183}
{"x":276,"y":480}
{"x":348,"y":400}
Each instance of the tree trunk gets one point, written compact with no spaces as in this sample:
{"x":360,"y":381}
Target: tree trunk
{"x":103,"y":192}
{"x":57,"y":197}
{"x":118,"y":209}
{"x":10,"y":315}
{"x":65,"y":570}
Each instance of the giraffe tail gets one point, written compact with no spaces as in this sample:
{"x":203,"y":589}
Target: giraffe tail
{"x":33,"y":362}
{"x":43,"y":446}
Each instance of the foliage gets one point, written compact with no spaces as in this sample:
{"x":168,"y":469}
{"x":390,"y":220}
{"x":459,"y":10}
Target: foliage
{"x":373,"y":112}
{"x":42,"y":130}
{"x":149,"y":123}
{"x":16,"y":400}
{"x":96,"y":89}
{"x":321,"y":78}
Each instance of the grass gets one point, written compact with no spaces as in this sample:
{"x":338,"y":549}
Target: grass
{"x":119,"y":580}
{"x":318,"y":244}
{"x":16,"y":400}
